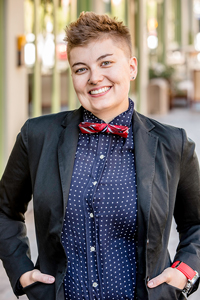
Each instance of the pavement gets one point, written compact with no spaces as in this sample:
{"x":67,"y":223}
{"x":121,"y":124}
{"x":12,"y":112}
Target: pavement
{"x":187,"y":118}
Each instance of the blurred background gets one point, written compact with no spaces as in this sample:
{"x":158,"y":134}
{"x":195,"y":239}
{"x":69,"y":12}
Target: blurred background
{"x":35,"y":77}
{"x":34,"y":71}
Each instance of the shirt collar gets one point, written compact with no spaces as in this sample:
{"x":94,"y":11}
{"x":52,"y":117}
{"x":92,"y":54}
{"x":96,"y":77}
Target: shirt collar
{"x":124,"y":118}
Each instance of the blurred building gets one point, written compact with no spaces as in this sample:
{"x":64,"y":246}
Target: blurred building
{"x":34,"y":72}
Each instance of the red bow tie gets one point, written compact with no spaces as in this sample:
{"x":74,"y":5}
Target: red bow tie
{"x":87,"y":127}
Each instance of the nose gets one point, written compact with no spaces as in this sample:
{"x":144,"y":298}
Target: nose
{"x":95,"y":77}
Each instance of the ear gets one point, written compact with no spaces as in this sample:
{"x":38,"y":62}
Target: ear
{"x":133,"y":68}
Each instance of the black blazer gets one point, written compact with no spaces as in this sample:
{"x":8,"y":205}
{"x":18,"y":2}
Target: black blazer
{"x":41,"y":164}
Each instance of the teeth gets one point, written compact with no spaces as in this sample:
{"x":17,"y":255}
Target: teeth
{"x":95,"y":92}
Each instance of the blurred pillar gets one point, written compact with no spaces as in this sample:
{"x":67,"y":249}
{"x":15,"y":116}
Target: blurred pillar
{"x":72,"y":100}
{"x":55,"y":101}
{"x":36,"y":102}
{"x":187,"y":21}
{"x":142,"y":55}
{"x":184,"y":23}
{"x":160,"y":30}
{"x":107,"y":6}
{"x":2,"y":92}
{"x":98,"y":6}
{"x":191,"y":26}
{"x":118,"y":9}
{"x":73,"y":10}
{"x":15,"y":77}
{"x":83,"y":5}
{"x":77,"y":6}
{"x":131,"y":24}
{"x":163,"y":28}
{"x":166,"y":7}
{"x":178,"y":18}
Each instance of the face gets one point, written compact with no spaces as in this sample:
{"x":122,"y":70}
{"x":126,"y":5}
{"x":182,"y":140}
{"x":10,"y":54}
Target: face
{"x":101,"y":74}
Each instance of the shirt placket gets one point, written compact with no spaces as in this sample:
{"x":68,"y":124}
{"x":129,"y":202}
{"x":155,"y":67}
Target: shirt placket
{"x":91,"y":219}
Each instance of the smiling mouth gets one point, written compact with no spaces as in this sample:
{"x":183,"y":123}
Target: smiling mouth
{"x":100,"y":91}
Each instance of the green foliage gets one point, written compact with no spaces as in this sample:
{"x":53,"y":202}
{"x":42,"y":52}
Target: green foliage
{"x":161,"y":71}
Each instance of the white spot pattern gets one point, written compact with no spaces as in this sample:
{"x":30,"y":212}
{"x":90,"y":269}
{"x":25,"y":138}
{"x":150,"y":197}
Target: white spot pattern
{"x":100,"y":223}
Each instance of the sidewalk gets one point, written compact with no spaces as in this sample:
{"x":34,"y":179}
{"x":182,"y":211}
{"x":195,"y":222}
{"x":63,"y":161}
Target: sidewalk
{"x":185,"y":118}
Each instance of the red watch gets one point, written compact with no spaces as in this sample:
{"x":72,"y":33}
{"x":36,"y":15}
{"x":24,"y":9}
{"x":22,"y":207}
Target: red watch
{"x":191,"y":275}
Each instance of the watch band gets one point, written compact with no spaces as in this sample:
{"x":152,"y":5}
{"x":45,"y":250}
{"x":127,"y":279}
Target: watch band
{"x":185,"y":269}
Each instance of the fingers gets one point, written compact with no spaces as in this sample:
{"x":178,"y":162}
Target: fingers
{"x":38,"y":276}
{"x":35,"y":275}
{"x":171,"y":276}
{"x":163,"y":277}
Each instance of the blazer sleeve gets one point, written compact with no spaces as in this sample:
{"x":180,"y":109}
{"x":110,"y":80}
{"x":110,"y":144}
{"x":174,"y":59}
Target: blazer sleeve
{"x":187,"y":207}
{"x":15,"y":194}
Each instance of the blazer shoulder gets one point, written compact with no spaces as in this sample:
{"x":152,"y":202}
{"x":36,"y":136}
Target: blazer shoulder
{"x":47,"y":120}
{"x":149,"y":122}
{"x":36,"y":129}
{"x":167,"y":134}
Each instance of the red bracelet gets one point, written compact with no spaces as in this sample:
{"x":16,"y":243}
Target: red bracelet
{"x":185,"y":269}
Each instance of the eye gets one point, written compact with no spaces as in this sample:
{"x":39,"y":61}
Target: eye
{"x":106,"y":63}
{"x":81,"y":70}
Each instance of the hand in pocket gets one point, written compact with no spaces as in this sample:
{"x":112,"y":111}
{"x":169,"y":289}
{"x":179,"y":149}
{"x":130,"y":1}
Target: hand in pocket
{"x":171,"y":276}
{"x":35,"y":276}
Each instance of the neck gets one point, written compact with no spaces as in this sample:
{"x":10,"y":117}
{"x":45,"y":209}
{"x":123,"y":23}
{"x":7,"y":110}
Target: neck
{"x":107,"y":117}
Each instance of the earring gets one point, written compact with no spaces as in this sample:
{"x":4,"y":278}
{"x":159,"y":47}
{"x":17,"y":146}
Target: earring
{"x":133,"y":78}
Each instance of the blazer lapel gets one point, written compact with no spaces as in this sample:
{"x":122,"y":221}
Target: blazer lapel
{"x":67,"y":150}
{"x":145,"y":152}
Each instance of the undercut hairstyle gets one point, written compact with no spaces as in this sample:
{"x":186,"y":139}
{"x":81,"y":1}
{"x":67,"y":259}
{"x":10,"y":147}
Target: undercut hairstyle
{"x":91,"y":27}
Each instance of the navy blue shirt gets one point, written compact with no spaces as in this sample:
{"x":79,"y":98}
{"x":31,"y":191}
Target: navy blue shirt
{"x":100,"y":223}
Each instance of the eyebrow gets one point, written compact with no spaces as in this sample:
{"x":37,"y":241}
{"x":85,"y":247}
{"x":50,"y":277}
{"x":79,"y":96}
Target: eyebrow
{"x":103,"y":56}
{"x":98,"y":59}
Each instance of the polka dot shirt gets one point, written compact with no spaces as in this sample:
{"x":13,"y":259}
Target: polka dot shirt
{"x":100,"y":223}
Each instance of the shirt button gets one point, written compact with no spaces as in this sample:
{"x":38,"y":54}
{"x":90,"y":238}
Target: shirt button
{"x":95,"y":284}
{"x":102,"y":156}
{"x":91,"y":215}
{"x":95,"y":182}
{"x":92,"y":249}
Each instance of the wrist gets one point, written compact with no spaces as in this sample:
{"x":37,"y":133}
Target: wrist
{"x":25,"y":279}
{"x":190,"y":274}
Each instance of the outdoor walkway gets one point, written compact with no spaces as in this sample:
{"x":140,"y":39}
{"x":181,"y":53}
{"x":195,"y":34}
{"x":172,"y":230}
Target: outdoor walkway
{"x":185,"y":118}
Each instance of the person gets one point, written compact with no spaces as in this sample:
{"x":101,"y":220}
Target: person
{"x":106,"y":182}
